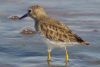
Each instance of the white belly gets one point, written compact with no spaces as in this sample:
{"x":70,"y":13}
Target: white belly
{"x":54,"y":44}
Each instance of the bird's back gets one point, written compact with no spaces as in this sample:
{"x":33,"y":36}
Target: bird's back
{"x":56,"y":31}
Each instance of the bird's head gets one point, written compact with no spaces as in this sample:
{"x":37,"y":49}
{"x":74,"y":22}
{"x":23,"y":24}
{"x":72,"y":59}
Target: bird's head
{"x":35,"y":12}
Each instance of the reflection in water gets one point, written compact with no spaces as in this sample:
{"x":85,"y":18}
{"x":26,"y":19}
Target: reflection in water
{"x":50,"y":64}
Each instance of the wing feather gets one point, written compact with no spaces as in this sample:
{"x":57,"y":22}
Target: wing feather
{"x":57,"y":31}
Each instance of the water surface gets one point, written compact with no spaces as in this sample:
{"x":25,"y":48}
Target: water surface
{"x":82,"y":16}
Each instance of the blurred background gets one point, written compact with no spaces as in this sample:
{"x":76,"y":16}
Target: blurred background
{"x":17,"y":50}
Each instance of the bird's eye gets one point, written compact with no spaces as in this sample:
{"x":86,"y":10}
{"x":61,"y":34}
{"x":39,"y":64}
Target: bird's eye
{"x":29,"y":11}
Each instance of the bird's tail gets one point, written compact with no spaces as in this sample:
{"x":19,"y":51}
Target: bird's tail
{"x":80,"y":40}
{"x":85,"y":43}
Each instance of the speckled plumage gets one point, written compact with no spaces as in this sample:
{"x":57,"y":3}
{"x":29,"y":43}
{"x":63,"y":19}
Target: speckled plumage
{"x":54,"y":32}
{"x":53,"y":29}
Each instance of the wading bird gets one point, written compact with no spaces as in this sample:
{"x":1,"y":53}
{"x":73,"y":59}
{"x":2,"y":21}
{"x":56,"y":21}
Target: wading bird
{"x":54,"y":32}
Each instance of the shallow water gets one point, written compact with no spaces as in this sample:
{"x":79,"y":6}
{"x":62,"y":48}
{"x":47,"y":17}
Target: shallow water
{"x":17,"y":50}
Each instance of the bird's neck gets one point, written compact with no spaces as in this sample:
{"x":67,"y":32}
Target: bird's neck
{"x":41,"y":17}
{"x":38,"y":20}
{"x":36,"y":25}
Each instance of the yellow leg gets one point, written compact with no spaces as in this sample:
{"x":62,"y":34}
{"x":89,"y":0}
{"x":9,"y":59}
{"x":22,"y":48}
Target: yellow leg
{"x":66,"y":56}
{"x":49,"y":55}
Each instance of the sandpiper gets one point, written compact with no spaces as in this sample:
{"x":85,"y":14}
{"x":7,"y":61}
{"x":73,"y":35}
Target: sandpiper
{"x":54,"y":32}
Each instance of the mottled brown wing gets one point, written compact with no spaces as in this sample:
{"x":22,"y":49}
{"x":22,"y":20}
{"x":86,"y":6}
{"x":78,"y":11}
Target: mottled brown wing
{"x":57,"y":31}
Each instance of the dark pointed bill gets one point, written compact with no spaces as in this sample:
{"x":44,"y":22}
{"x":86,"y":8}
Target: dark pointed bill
{"x":25,"y":15}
